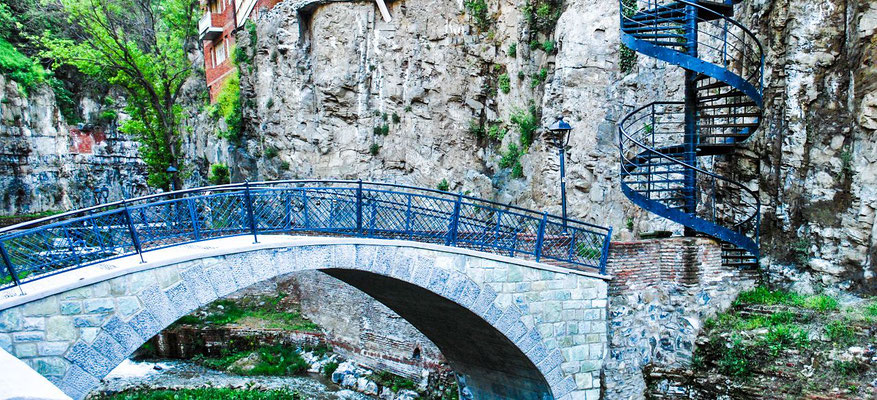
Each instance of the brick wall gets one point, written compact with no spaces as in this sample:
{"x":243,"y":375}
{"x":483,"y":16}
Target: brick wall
{"x":661,"y":292}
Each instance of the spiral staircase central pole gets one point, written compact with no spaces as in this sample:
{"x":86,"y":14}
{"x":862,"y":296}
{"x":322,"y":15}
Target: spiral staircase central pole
{"x":691,"y":134}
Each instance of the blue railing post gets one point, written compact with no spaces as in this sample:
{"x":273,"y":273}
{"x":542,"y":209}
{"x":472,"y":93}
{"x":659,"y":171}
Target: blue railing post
{"x":134,"y":237}
{"x":455,"y":220}
{"x":540,"y":236}
{"x":359,"y":208}
{"x":193,"y":214}
{"x":605,"y":256}
{"x":304,"y":208}
{"x":9,"y":267}
{"x":250,"y":216}
{"x":287,"y":220}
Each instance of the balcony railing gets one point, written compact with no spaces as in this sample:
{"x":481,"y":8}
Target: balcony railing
{"x":210,"y":26}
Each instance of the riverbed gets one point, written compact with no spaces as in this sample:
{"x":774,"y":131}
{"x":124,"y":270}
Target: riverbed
{"x":187,"y":375}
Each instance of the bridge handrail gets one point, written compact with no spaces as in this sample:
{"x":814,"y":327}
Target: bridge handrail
{"x":51,"y":245}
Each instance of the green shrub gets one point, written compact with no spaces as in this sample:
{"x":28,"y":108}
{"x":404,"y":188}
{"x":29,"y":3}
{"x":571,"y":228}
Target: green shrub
{"x":394,"y":382}
{"x":443,"y":185}
{"x":781,"y":337}
{"x":271,"y":152}
{"x":535,"y":44}
{"x":476,"y":129}
{"x":270,"y":103}
{"x":627,"y":59}
{"x":108,"y":116}
{"x":20,"y":68}
{"x":589,"y":251}
{"x":548,"y":46}
{"x":284,"y":165}
{"x":537,"y":78}
{"x":871,"y":309}
{"x":821,"y":303}
{"x":527,"y":122}
{"x":228,"y":106}
{"x":504,"y":83}
{"x":513,"y":50}
{"x":846,"y":368}
{"x":396,"y":118}
{"x":218,"y":174}
{"x":329,"y":368}
{"x":840,"y":332}
{"x":478,"y":11}
{"x":496,"y":131}
{"x":383,"y":130}
{"x":374,"y":149}
{"x":735,"y":360}
{"x":512,"y":159}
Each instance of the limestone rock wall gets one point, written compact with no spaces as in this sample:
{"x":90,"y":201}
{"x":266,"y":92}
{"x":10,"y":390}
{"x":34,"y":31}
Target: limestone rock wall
{"x":46,"y":164}
{"x":324,"y":75}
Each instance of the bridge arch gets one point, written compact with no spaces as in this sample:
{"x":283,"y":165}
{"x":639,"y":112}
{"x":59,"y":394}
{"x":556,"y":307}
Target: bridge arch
{"x":514,"y":328}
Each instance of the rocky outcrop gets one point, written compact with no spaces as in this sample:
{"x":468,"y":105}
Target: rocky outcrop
{"x":48,"y":165}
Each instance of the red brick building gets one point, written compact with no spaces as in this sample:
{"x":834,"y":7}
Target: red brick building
{"x":216,"y":29}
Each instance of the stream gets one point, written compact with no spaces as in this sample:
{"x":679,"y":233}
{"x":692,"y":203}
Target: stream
{"x":175,"y":374}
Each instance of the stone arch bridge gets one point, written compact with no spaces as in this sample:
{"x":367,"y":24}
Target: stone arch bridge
{"x":515,"y":300}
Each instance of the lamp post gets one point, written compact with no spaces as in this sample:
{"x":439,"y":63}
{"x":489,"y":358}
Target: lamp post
{"x":173,"y":173}
{"x":559,"y":132}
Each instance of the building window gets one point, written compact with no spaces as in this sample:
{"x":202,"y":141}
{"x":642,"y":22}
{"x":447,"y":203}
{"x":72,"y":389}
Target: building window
{"x":220,"y":52}
{"x":217,"y":7}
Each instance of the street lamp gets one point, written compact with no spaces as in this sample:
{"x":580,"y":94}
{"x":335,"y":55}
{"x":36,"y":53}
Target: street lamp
{"x":559,"y":132}
{"x":173,"y":172}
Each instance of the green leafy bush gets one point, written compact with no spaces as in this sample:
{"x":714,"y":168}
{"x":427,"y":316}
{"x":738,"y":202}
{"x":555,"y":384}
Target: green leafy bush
{"x":513,"y":50}
{"x":271,"y":152}
{"x":476,"y":129}
{"x":374,"y":149}
{"x":20,"y":68}
{"x":218,"y":174}
{"x":527,"y":122}
{"x":626,"y":59}
{"x":396,"y":118}
{"x":329,"y":368}
{"x":382,"y":130}
{"x":840,"y":332}
{"x":392,"y":381}
{"x":478,"y":11}
{"x":548,"y":46}
{"x":443,"y":185}
{"x":511,"y":158}
{"x":537,"y":78}
{"x":228,"y":106}
{"x":504,"y":83}
{"x":496,"y":131}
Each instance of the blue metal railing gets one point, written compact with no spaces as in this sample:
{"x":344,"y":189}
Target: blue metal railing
{"x":75,"y":239}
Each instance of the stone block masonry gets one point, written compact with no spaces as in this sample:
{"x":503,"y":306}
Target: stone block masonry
{"x":661,"y":292}
{"x":513,"y":328}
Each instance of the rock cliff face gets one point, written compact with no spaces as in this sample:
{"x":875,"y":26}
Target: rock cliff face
{"x":326,"y":78}
{"x":48,"y":165}
{"x":331,"y":90}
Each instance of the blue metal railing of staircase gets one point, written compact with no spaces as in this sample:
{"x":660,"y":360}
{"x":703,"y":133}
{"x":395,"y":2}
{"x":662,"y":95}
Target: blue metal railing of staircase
{"x":724,"y":64}
{"x":52,"y":245}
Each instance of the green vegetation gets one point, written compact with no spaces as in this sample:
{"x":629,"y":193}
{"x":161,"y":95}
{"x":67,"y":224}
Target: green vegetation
{"x":20,"y":68}
{"x":218,"y":174}
{"x":284,"y":165}
{"x":537,"y":78}
{"x":228,"y":106}
{"x":504,"y":83}
{"x":627,"y":59}
{"x":443,"y":185}
{"x":394,"y":382}
{"x":478,"y":11}
{"x":511,"y":158}
{"x":141,"y":47}
{"x":778,"y":333}
{"x":495,"y":131}
{"x":548,"y":46}
{"x":28,"y":217}
{"x":374,"y":149}
{"x":270,"y":152}
{"x":264,"y":310}
{"x":535,"y":44}
{"x":383,"y":130}
{"x":542,"y":15}
{"x":203,"y":394}
{"x":277,"y":360}
{"x":396,"y":118}
{"x":476,"y":129}
{"x":589,"y":251}
{"x":513,"y":50}
{"x":765,"y":296}
{"x":329,"y":369}
{"x":527,"y":122}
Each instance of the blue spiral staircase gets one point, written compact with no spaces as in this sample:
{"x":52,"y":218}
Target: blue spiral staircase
{"x":670,"y":149}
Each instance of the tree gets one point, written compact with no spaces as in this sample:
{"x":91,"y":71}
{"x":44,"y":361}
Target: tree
{"x":141,"y":46}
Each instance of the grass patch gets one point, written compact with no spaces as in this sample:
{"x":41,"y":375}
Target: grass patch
{"x":504,"y":83}
{"x":204,"y":394}
{"x":275,"y":360}
{"x":392,"y":381}
{"x":765,"y":296}
{"x":840,"y":332}
{"x":263,"y":311}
